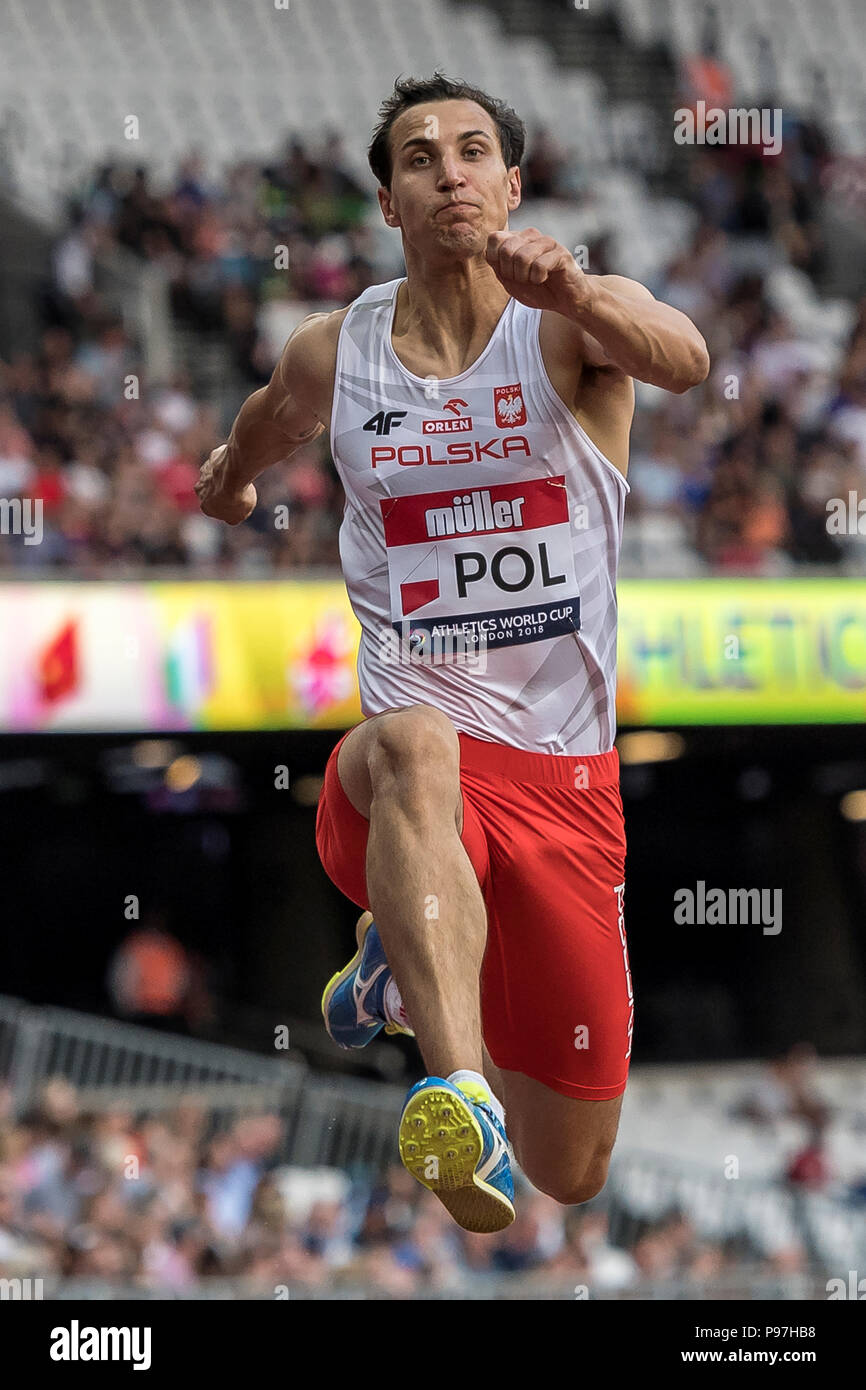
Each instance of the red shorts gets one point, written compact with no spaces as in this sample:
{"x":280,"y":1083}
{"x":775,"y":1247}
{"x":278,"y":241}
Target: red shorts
{"x":546,"y":839}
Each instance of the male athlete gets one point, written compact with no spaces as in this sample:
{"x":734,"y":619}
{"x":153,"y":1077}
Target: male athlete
{"x":479,"y":412}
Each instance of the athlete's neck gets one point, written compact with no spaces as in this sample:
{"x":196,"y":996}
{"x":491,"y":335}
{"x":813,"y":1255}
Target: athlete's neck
{"x":445,"y":315}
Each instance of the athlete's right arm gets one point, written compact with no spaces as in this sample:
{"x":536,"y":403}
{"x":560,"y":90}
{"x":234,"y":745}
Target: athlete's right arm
{"x":274,"y":421}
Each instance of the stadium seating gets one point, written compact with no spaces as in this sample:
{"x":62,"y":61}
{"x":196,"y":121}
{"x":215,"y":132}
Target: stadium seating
{"x":798,"y":51}
{"x":231,"y":78}
{"x":260,"y":70}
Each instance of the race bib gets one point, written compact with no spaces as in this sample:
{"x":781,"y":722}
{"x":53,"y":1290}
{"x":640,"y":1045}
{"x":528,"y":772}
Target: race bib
{"x":492,"y":564}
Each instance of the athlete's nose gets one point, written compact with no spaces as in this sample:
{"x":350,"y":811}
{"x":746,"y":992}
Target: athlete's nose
{"x":450,"y":174}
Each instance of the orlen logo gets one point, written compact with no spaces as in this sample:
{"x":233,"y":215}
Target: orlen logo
{"x":459,"y":423}
{"x":508,"y":406}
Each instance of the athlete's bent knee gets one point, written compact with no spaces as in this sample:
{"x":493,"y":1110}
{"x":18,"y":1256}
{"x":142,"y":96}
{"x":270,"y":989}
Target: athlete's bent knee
{"x":571,"y":1188}
{"x":417,"y":734}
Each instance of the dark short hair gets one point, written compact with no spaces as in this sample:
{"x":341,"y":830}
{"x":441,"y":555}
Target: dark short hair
{"x":414,"y":91}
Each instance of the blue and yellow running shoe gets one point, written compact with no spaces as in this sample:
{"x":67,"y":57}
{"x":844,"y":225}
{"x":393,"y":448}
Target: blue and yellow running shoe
{"x":453,"y":1143}
{"x":353,"y":1004}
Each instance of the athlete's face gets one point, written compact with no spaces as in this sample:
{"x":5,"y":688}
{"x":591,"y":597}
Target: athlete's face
{"x":449,"y":185}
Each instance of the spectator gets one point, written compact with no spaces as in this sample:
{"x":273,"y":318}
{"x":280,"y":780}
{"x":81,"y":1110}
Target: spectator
{"x":810,"y":1168}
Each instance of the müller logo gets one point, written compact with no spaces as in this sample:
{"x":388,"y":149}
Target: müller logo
{"x":474,"y":511}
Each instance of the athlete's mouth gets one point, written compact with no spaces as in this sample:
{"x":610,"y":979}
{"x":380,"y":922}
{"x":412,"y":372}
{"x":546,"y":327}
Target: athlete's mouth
{"x":446,"y":206}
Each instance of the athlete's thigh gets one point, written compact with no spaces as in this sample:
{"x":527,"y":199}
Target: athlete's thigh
{"x":343,"y":816}
{"x":556,"y":985}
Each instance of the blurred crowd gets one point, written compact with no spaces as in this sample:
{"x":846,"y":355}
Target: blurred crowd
{"x":168,"y":1202}
{"x":735,"y":476}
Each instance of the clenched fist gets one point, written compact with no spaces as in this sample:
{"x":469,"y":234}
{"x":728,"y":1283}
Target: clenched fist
{"x":536,"y":270}
{"x":218,"y":495}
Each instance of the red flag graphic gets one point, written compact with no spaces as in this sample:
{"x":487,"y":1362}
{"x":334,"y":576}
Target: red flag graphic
{"x":58,"y":673}
{"x":416,"y":592}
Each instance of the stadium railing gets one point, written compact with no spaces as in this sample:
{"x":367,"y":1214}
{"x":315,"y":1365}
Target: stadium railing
{"x":113,"y":1063}
{"x":327,"y":1122}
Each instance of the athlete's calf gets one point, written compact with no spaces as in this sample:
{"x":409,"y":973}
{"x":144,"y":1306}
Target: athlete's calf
{"x":404,"y":775}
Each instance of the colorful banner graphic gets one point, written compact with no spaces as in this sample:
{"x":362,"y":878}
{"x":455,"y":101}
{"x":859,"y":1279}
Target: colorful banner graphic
{"x":742,"y":651}
{"x":267,"y":655}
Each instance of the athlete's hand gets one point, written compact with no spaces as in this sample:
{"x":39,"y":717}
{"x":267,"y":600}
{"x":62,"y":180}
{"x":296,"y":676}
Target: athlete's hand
{"x":538,"y":271}
{"x":218,"y":496}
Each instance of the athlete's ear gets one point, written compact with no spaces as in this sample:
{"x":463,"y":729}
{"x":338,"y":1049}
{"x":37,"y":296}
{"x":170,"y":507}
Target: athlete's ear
{"x":514,"y":189}
{"x":385,"y":203}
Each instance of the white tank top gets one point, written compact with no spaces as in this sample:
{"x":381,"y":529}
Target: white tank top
{"x":480,"y":538}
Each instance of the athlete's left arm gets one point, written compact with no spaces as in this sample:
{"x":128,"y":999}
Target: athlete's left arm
{"x":634,"y":331}
{"x":640,"y":335}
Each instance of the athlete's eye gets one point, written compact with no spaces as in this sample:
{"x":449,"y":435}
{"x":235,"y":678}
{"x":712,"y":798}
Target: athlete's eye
{"x":475,"y":149}
{"x":420,"y":156}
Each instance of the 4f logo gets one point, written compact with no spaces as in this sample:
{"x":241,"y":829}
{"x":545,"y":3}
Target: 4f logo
{"x":385,"y":420}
